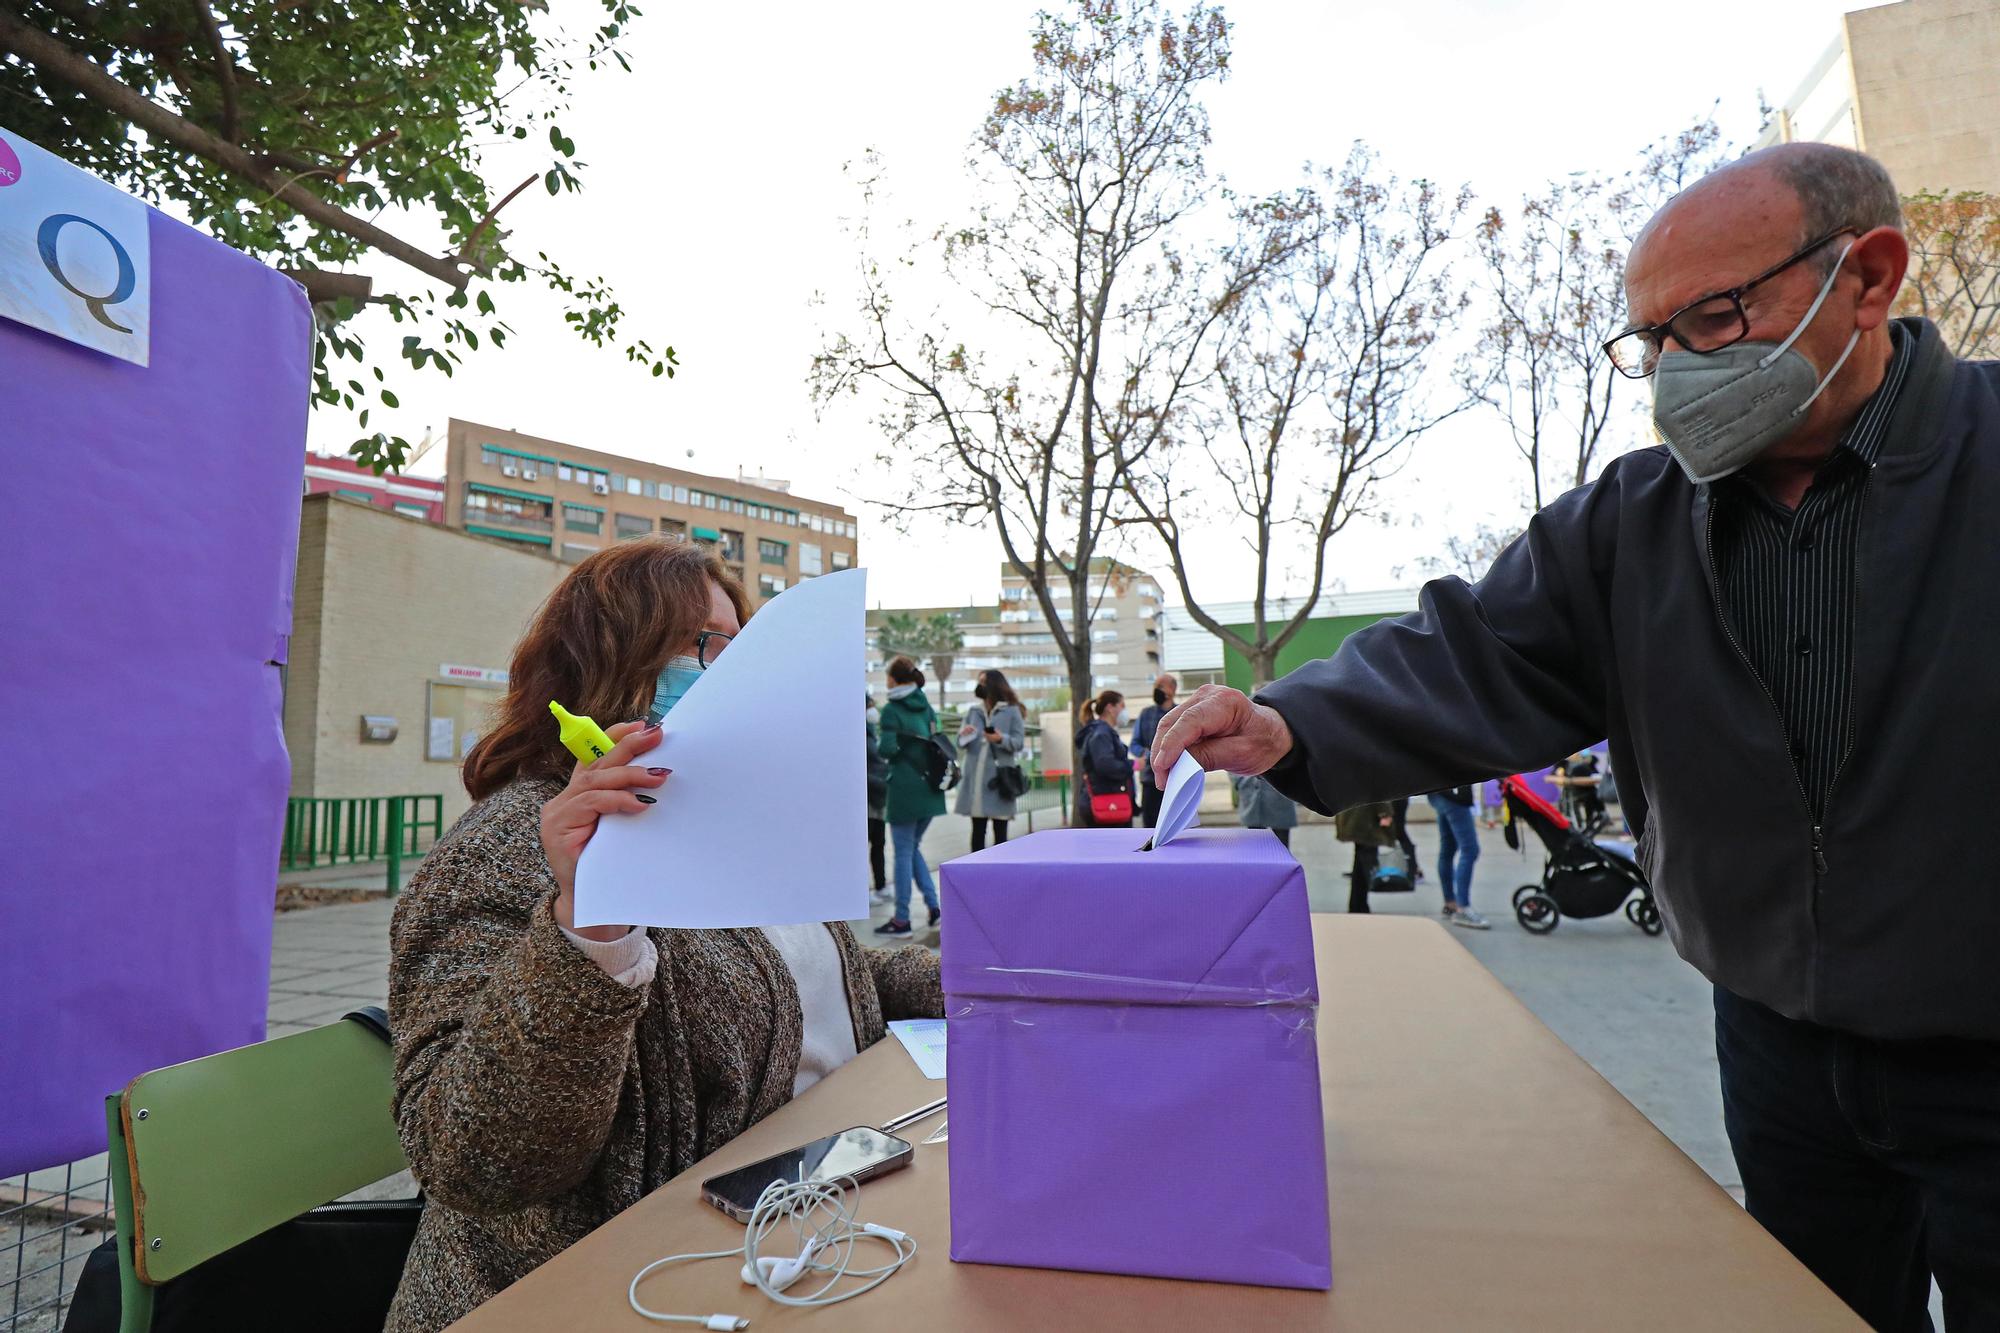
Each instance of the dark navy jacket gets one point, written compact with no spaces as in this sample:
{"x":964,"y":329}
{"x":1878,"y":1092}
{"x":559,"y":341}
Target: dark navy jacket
{"x":1603,"y":620}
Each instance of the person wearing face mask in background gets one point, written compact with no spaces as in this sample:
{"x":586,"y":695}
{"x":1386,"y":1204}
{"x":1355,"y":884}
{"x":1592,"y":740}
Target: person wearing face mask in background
{"x":1152,"y":793}
{"x":550,"y":1075}
{"x":1785,"y":619}
{"x":1104,"y":764}
{"x":908,"y":723}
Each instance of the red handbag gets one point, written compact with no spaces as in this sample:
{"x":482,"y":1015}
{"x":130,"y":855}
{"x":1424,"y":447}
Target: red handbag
{"x":1114,"y":807}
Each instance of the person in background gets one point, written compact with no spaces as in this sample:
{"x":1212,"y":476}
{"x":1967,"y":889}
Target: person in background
{"x":908,"y":723}
{"x":1458,"y":852}
{"x":1399,"y":810}
{"x":878,"y":792}
{"x":1102,"y":762}
{"x":995,"y":730}
{"x":1578,"y":777}
{"x":1143,"y":731}
{"x":549,"y":1076}
{"x":1490,"y":804}
{"x":1370,"y":828}
{"x":1260,"y":805}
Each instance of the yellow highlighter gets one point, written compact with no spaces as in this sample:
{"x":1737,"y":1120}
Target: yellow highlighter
{"x":581,"y":736}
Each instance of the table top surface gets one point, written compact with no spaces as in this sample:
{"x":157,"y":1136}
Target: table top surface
{"x":1480,"y":1175}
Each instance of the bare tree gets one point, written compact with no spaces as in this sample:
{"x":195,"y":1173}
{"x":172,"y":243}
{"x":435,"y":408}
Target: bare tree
{"x":1317,"y":390}
{"x":1554,"y":291}
{"x":1955,"y":267}
{"x":1087,"y":166}
{"x":1469,"y":555}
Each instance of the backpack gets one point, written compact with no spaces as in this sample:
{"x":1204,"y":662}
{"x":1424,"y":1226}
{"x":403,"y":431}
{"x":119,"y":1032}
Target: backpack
{"x":935,"y":757}
{"x":937,"y":760}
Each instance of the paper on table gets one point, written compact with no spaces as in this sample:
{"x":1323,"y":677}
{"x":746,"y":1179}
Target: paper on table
{"x":923,"y":1038}
{"x":727,"y":844}
{"x":1180,"y":803}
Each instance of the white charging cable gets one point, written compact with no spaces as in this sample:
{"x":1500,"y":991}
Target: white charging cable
{"x":820,"y":1214}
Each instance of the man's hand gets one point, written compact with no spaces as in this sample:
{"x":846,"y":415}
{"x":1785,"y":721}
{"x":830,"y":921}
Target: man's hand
{"x":1224,"y":730}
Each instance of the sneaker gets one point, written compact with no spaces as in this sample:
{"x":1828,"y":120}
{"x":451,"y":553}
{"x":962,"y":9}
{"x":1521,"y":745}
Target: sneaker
{"x":1470,"y":919}
{"x":893,"y":927}
{"x":935,"y":914}
{"x":1448,"y":911}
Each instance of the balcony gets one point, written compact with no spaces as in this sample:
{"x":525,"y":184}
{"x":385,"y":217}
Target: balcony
{"x":500,"y":518}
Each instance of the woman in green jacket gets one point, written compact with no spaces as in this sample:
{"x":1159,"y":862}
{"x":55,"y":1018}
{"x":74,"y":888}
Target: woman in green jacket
{"x":908,"y":722}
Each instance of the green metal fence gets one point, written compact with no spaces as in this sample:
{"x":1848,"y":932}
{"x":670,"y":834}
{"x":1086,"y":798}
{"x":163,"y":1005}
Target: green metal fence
{"x":330,"y":830}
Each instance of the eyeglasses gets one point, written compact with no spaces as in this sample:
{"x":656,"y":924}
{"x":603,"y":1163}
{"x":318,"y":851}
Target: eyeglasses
{"x":701,"y":642}
{"x":1707,"y":325}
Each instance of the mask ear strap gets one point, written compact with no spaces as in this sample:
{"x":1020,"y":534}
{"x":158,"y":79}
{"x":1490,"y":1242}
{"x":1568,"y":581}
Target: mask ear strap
{"x":1825,"y":290}
{"x":1844,"y":353}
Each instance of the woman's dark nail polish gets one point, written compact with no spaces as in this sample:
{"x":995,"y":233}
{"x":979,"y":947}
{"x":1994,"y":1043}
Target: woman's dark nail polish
{"x":659,"y":772}
{"x":647,"y":799}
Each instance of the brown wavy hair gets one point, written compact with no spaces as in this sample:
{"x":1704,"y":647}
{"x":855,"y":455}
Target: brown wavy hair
{"x":596,"y":647}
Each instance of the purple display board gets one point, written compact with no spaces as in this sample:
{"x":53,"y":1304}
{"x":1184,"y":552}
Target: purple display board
{"x":145,"y":598}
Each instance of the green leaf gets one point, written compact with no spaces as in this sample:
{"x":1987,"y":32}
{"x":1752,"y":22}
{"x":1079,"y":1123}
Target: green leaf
{"x":550,"y":180}
{"x":389,"y":399}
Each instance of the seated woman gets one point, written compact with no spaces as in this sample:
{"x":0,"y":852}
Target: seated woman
{"x":548,"y":1077}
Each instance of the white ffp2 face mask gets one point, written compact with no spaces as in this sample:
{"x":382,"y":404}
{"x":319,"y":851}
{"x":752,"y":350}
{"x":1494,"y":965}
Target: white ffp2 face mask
{"x":1719,"y":410}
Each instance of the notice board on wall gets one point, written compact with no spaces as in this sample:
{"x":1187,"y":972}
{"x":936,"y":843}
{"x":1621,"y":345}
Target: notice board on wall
{"x":146,"y":605}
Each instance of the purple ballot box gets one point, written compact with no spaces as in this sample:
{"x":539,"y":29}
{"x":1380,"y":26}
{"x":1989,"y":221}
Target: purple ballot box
{"x":1133,"y":1071}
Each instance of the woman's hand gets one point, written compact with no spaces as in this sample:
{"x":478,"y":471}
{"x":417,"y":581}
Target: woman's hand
{"x":601,"y":787}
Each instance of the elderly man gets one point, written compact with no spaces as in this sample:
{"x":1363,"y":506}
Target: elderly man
{"x":1787,"y":621}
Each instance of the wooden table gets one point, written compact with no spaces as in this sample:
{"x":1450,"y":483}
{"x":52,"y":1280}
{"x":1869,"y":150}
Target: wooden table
{"x":1480,"y":1174}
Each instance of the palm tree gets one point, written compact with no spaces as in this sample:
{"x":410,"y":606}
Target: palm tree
{"x":942,"y":640}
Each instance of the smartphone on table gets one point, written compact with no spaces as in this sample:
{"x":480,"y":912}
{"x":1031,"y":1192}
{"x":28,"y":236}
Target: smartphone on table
{"x":860,"y":1154}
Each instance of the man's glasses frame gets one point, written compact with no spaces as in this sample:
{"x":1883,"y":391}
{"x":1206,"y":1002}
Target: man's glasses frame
{"x":1636,"y":351}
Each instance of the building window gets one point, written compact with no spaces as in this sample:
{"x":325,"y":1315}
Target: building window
{"x":767,"y":586}
{"x":732,"y":547}
{"x":618,"y":481}
{"x":809,"y":563}
{"x":582,"y":518}
{"x":362,"y":496}
{"x":562,"y":472}
{"x":649,"y":489}
{"x":708,"y":502}
{"x":843,"y":560}
{"x":694,"y":498}
{"x":574,"y":552}
{"x":489,"y":456}
{"x":770,"y":552}
{"x":632,"y":486}
{"x":632,"y":525}
{"x":413,"y":511}
{"x":673,"y":527}
{"x":680,"y":495}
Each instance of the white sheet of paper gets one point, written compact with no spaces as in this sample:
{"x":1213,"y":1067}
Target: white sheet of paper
{"x":923,"y":1038}
{"x":765,"y":819}
{"x":1180,"y":802}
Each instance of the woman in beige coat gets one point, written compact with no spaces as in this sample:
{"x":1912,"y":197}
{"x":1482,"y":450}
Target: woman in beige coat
{"x":548,"y":1076}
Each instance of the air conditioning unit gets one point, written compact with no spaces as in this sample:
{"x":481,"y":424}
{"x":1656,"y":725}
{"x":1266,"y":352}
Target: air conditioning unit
{"x":508,"y":469}
{"x":529,"y":473}
{"x":601,"y":487}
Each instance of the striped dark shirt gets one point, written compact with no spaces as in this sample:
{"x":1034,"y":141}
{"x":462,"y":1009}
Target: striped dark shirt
{"x":1787,"y":579}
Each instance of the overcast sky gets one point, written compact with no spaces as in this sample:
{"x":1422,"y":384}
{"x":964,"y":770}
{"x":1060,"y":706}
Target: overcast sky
{"x":715,"y":201}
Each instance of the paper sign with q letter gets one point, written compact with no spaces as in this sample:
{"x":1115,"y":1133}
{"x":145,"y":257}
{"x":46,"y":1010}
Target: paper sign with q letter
{"x":75,"y":258}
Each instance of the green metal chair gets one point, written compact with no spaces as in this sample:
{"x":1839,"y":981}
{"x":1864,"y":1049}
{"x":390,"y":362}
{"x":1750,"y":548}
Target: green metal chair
{"x":208,"y":1154}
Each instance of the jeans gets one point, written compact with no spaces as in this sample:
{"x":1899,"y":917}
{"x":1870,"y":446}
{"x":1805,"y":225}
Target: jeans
{"x":1458,"y":837}
{"x":1876,"y":1163}
{"x":908,"y":840}
{"x":979,"y":832}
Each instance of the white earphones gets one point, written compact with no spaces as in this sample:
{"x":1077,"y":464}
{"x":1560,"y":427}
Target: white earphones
{"x":821,"y":1216}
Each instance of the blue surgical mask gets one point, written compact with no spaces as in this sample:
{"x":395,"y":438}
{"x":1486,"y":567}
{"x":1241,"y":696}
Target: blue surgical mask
{"x":675,"y":681}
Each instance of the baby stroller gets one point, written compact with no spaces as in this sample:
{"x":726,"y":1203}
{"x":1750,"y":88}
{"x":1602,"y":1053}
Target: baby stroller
{"x":1580,"y":877}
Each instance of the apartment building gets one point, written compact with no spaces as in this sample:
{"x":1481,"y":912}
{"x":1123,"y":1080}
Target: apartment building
{"x":1911,"y":83}
{"x":1013,"y":635}
{"x":569,"y":501}
{"x":412,"y":497}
